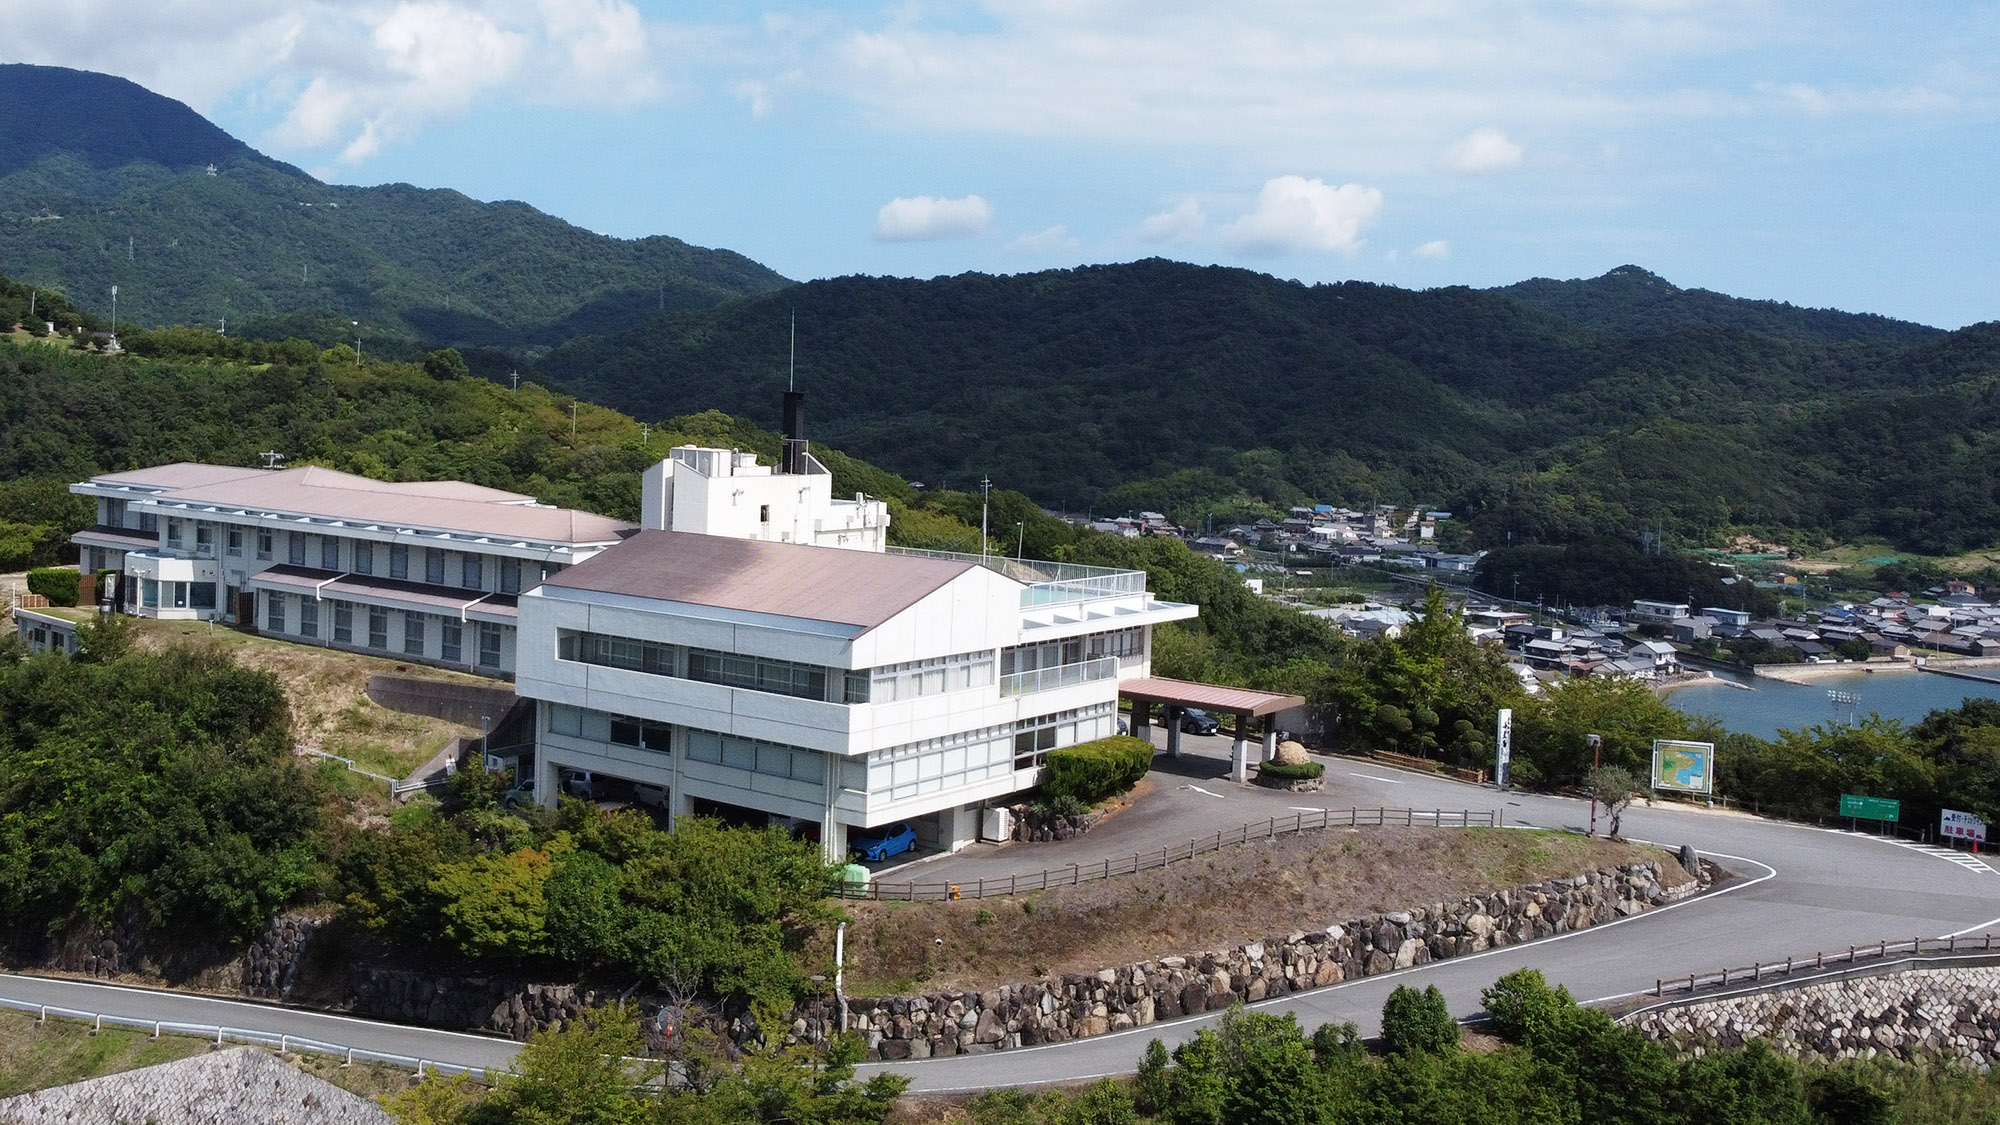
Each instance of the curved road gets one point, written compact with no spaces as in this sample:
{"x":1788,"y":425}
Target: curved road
{"x":1797,"y":890}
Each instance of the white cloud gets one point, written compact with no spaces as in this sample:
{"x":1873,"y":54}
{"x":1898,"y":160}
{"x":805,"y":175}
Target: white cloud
{"x":1436,"y":248}
{"x":1294,"y":213}
{"x":924,"y":217}
{"x":1182,"y":224}
{"x":1483,"y":150}
{"x":1054,"y":240}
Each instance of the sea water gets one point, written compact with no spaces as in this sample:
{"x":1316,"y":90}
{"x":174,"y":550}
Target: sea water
{"x":1771,"y":705}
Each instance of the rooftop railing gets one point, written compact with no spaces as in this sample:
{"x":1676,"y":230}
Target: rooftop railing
{"x":1059,"y":676}
{"x":1048,"y":583}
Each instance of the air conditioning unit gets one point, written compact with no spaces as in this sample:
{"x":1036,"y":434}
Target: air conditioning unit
{"x":996,"y":826}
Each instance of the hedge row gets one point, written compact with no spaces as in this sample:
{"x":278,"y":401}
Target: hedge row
{"x":1091,"y":771}
{"x":1303,"y":771}
{"x":58,"y":584}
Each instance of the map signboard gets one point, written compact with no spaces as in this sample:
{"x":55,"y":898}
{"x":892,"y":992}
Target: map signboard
{"x":1870,"y":808}
{"x":1685,"y":766}
{"x":1503,"y":747}
{"x":1956,"y":825}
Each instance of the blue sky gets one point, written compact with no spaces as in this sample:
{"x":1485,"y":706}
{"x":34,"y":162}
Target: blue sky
{"x":1825,"y":153}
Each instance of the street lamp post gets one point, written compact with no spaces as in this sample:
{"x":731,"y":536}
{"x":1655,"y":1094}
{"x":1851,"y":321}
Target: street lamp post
{"x":985,"y":498}
{"x":1020,"y":538}
{"x":357,"y":342}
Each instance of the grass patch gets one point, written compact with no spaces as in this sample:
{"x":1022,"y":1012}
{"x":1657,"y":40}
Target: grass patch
{"x":61,"y":1051}
{"x":1261,"y":890}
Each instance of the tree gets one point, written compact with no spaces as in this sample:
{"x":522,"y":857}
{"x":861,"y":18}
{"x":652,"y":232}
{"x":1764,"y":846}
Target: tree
{"x":1615,"y":788}
{"x":584,"y":1073}
{"x":1152,"y":1089}
{"x":1550,"y":729}
{"x":1418,"y":1021}
{"x":446,"y":364}
{"x":496,"y":904}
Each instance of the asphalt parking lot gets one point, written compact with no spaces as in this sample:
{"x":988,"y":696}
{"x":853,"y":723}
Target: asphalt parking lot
{"x":1182,"y":799}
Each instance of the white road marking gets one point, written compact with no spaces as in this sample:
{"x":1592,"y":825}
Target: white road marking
{"x":1974,"y":863}
{"x":1986,"y":925}
{"x":1205,"y":792}
{"x":1372,"y":777}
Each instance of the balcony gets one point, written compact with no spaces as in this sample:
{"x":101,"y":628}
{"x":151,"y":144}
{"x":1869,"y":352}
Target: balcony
{"x":1049,"y":583}
{"x":1060,"y":676}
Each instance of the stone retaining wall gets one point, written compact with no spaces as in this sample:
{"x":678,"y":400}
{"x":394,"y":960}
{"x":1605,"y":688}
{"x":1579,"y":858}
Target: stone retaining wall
{"x":1947,"y":1015}
{"x":1077,"y":1005}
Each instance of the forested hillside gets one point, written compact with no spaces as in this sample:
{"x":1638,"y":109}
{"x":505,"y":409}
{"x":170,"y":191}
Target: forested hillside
{"x":103,"y":183}
{"x":1551,"y":411}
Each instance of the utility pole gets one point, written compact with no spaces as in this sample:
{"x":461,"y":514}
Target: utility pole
{"x":572,"y":423}
{"x":985,"y":496}
{"x":516,"y":376}
{"x":1596,"y":765}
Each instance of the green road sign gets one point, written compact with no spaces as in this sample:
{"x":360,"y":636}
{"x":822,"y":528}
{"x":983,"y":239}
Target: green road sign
{"x":1870,"y":808}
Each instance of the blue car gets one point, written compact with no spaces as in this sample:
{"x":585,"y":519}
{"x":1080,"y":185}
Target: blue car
{"x":885,"y":842}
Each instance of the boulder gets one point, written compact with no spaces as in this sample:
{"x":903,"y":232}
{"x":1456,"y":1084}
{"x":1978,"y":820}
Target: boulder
{"x":1291,"y":753}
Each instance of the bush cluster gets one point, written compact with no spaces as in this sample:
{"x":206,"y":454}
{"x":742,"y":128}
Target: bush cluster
{"x":1287,"y":771}
{"x":1089,"y":772}
{"x":58,"y":584}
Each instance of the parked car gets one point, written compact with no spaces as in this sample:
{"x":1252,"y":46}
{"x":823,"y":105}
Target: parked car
{"x":1124,"y":727}
{"x":647,"y":793}
{"x":1194,"y":720}
{"x":522,"y":794}
{"x":884,"y":842}
{"x":580,"y":783}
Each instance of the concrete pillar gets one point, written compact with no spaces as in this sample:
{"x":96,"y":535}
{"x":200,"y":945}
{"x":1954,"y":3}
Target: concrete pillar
{"x":1173,"y":721}
{"x":546,"y":789}
{"x":1270,"y":739}
{"x":833,"y":841}
{"x":1142,"y":719}
{"x":1239,"y":758}
{"x":958,"y":827}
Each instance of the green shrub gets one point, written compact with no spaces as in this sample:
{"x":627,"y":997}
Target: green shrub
{"x":1091,"y":771}
{"x":56,"y":583}
{"x":1284,"y":771}
{"x":1418,"y":1021}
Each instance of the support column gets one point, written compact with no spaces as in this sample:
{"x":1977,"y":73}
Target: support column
{"x":1239,"y":750}
{"x":545,"y":781}
{"x":1142,"y":719}
{"x":833,"y":841}
{"x":1173,"y":720}
{"x":1270,"y":738}
{"x":958,"y":827}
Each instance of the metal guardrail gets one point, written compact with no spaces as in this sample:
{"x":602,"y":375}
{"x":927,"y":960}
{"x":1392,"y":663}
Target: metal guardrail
{"x":397,"y":786}
{"x":1075,"y":874}
{"x":220,"y":1032}
{"x":1881,"y":952}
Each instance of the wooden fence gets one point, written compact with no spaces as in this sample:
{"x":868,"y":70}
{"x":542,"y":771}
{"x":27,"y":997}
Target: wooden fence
{"x":1074,"y":874}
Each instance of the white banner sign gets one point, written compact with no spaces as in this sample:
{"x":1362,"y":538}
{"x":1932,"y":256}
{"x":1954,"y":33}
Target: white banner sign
{"x":1956,"y":825}
{"x":1503,"y":744}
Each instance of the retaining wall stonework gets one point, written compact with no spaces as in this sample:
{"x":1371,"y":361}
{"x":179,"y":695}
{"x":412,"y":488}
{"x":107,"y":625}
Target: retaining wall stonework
{"x":1943,"y":1015}
{"x":1076,"y":1005}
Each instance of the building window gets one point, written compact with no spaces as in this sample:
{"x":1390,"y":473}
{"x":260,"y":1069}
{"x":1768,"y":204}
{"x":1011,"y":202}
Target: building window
{"x":274,"y":612}
{"x":803,"y":681}
{"x":891,"y":682}
{"x":114,"y":513}
{"x":769,"y":758}
{"x":510,"y":576}
{"x":173,"y":534}
{"x":434,"y":566}
{"x":263,"y":542}
{"x":236,"y":542}
{"x":343,"y":622}
{"x":295,"y":548}
{"x":204,"y":539}
{"x":378,"y":627}
{"x":149,"y":522}
{"x":763,"y":513}
{"x":451,"y":640}
{"x":329,"y":553}
{"x":308,"y":618}
{"x":413,"y":633}
{"x":489,"y":645}
{"x":399,"y":560}
{"x":471,"y":574}
{"x":364,"y":557}
{"x":149,"y":593}
{"x":201,"y":595}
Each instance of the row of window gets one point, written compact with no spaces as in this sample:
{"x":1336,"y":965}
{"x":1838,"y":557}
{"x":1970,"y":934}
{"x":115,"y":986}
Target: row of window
{"x":755,"y":673}
{"x":756,"y":756}
{"x":415,"y":628}
{"x":885,"y":684}
{"x":151,"y":593}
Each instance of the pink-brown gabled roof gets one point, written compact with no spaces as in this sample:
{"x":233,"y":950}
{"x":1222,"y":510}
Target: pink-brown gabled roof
{"x":323,"y":493}
{"x":858,"y":588}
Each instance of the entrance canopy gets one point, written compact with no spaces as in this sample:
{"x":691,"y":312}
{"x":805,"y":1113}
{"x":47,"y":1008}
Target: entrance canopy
{"x":1208,"y":697}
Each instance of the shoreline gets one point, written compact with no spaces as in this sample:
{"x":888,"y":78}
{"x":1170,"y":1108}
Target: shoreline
{"x":1807,"y":674}
{"x":1701,"y":679}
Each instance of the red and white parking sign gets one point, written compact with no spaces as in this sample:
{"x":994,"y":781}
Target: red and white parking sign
{"x":1956,"y":825}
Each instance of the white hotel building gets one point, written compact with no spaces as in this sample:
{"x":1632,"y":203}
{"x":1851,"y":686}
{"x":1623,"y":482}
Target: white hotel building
{"x":428,"y":571}
{"x":753,"y":648}
{"x":840,"y":687}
